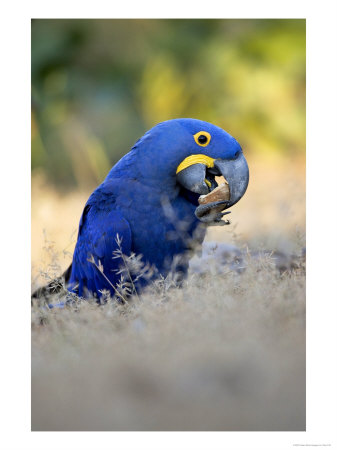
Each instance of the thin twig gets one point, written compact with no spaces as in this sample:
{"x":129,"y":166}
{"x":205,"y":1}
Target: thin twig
{"x":92,"y":260}
{"x":119,"y":241}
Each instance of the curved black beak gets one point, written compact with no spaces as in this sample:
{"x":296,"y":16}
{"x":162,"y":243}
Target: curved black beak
{"x":235,"y":171}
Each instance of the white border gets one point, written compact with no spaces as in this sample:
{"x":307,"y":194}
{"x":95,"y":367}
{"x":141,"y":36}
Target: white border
{"x":321,"y":220}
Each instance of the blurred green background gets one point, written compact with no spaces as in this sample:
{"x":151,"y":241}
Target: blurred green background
{"x":98,"y":85}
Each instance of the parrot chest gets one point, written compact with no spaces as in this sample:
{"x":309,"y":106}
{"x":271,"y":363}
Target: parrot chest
{"x":162,"y":222}
{"x":163,"y":232}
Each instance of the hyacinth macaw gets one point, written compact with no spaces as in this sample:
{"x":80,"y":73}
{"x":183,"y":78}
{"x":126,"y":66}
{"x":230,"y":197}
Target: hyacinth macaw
{"x":150,"y":200}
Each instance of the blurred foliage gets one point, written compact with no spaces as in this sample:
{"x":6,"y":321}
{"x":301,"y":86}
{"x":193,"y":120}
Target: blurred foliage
{"x":98,"y":85}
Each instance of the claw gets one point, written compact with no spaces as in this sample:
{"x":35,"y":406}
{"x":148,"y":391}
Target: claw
{"x":203,"y":210}
{"x":211,"y":213}
{"x":217,"y":222}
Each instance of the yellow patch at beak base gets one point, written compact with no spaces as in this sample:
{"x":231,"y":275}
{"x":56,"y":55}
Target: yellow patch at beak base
{"x":196,"y":159}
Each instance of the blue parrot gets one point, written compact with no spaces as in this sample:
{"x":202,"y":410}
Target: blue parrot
{"x":148,"y":203}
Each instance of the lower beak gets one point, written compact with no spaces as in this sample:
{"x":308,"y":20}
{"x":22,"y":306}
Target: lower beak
{"x":193,"y":178}
{"x":235,"y":171}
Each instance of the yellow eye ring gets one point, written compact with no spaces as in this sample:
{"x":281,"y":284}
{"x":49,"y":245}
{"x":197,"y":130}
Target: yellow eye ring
{"x":202,"y":138}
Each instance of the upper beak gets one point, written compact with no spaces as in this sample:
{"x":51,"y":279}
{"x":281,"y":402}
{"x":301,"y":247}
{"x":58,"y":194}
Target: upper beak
{"x":235,"y":171}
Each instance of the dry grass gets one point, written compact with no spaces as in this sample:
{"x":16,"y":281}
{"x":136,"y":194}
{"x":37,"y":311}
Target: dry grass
{"x":224,"y":352}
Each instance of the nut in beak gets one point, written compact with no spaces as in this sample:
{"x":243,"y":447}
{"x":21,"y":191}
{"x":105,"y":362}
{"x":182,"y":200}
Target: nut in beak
{"x":220,"y":193}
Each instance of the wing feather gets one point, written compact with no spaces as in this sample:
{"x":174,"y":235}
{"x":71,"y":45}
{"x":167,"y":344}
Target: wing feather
{"x":96,"y":244}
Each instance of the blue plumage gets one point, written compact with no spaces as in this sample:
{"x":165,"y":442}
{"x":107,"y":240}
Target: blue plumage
{"x":142,"y":201}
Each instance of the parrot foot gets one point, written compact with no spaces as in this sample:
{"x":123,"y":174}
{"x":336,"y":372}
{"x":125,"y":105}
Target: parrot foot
{"x":212,"y":213}
{"x":217,"y":221}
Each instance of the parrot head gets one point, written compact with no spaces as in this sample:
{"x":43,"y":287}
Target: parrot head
{"x":191,"y":153}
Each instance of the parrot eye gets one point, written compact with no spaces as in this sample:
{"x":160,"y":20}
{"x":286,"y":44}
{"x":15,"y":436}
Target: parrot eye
{"x":202,"y":138}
